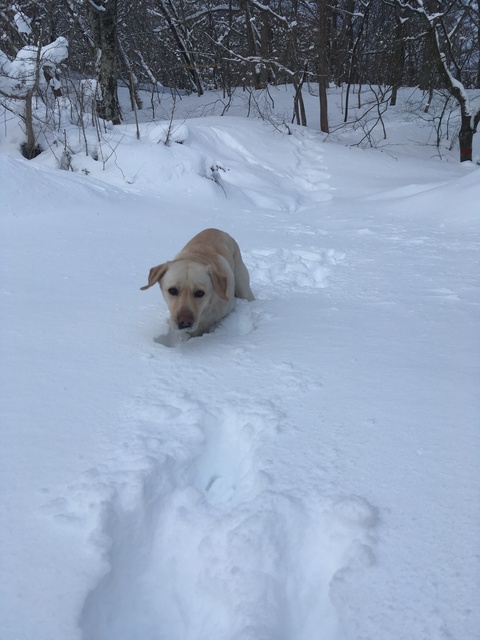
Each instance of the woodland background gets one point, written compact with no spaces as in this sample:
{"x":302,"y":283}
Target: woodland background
{"x":248,"y":45}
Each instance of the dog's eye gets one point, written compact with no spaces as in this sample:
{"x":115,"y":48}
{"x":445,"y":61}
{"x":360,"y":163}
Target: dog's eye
{"x":173,"y":291}
{"x":199,"y":293}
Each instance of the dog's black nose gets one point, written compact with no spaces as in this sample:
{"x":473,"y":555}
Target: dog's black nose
{"x":184,"y":324}
{"x":185,"y":319}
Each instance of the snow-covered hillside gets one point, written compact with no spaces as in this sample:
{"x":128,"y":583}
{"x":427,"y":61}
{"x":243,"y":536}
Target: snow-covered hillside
{"x":308,"y":471}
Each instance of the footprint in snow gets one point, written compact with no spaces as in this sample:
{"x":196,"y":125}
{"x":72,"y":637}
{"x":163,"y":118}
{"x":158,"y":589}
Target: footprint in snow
{"x":211,"y":550}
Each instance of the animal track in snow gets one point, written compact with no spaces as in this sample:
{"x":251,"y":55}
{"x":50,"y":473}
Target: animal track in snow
{"x":203,"y":537}
{"x":228,"y":470}
{"x":311,"y":176}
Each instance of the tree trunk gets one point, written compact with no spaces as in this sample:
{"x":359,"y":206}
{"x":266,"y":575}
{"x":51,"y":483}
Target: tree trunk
{"x":252,"y":48}
{"x":323,"y":74}
{"x":428,"y":74}
{"x":104,"y":30}
{"x":468,"y":129}
{"x":299,"y":112}
{"x":265,"y":38}
{"x":398,"y":56}
{"x":478,"y":43}
{"x":29,"y":148}
{"x":135,"y":99}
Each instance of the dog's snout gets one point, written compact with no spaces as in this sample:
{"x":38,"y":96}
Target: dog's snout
{"x":185,"y":320}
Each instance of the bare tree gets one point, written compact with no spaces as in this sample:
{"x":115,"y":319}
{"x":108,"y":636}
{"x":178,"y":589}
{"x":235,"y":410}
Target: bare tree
{"x":27,"y":78}
{"x":442,"y":24}
{"x":180,"y":31}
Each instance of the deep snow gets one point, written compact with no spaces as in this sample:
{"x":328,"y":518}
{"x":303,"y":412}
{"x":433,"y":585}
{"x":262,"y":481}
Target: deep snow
{"x":307,"y":471}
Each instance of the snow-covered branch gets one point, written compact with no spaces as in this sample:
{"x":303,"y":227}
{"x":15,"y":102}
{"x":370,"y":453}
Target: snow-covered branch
{"x":18,"y":76}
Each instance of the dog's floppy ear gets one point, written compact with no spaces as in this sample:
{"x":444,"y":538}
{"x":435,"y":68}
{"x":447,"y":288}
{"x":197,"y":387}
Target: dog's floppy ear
{"x":155,"y":275}
{"x":220,"y":283}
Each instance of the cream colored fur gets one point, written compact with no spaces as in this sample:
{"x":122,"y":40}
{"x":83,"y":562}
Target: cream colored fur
{"x":200,"y":284}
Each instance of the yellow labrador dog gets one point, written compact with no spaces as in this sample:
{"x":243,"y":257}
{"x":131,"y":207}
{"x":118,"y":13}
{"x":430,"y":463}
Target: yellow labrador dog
{"x":200,"y":283}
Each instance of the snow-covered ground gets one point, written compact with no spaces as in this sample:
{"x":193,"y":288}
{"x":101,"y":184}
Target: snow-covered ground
{"x":308,"y":471}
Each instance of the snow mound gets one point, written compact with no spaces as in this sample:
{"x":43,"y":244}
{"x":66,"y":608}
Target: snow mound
{"x":279,"y":271}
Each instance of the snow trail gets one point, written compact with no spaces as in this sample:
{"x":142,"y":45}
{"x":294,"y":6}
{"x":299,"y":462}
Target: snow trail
{"x":211,"y":546}
{"x":217,"y":544}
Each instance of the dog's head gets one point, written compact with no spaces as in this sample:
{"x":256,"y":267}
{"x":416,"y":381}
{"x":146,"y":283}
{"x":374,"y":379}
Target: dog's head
{"x":189,"y":289}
